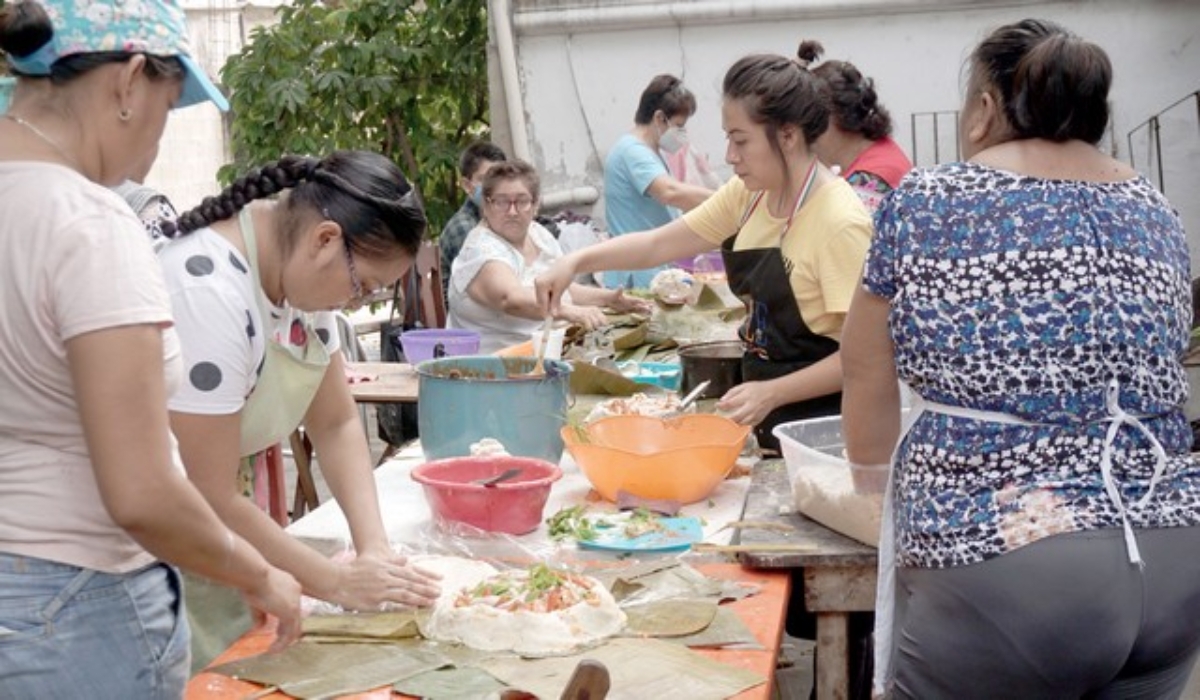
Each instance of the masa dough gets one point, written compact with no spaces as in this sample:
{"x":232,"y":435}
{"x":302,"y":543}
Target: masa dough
{"x":826,"y":494}
{"x":533,"y":612}
{"x":653,"y":405}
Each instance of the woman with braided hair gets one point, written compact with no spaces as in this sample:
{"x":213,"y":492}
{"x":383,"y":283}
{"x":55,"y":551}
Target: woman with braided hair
{"x":254,"y":280}
{"x":858,"y":142}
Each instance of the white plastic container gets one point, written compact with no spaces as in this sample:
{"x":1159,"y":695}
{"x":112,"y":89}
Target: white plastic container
{"x":824,"y":487}
{"x":812,"y":442}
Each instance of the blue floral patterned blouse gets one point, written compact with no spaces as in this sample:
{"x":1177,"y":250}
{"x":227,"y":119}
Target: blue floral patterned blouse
{"x":1028,"y":297}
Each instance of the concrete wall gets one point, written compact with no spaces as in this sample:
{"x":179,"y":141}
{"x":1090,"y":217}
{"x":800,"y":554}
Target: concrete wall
{"x":582,"y":68}
{"x":194,"y":145}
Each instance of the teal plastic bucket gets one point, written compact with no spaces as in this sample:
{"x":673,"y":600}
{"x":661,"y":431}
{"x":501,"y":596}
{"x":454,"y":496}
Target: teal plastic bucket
{"x":463,"y":400}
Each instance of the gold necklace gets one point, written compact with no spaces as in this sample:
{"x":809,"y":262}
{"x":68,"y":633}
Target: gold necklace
{"x":41,"y":135}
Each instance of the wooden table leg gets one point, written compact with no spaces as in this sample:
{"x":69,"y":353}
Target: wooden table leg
{"x":833,"y":654}
{"x":306,"y":489}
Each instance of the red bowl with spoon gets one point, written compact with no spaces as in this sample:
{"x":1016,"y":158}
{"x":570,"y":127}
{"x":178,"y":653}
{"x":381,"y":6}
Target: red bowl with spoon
{"x":493,"y":493}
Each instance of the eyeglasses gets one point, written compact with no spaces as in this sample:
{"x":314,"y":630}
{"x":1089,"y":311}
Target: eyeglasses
{"x":523,"y":204}
{"x":356,"y":285}
{"x":361,"y":295}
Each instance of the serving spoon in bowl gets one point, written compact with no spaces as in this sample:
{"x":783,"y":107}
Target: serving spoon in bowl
{"x":687,"y":400}
{"x":502,"y":476}
{"x":538,"y":370}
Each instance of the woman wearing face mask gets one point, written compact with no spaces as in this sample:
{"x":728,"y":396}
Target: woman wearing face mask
{"x":639,"y":191}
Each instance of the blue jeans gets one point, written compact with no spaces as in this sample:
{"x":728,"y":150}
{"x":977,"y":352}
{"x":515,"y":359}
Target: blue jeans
{"x":72,"y":632}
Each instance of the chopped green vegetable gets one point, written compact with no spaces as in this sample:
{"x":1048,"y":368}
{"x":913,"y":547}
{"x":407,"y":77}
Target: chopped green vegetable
{"x":541,"y":579}
{"x":570,"y":523}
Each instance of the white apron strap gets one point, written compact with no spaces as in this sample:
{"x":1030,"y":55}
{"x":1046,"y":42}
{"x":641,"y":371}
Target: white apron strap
{"x":885,"y":592}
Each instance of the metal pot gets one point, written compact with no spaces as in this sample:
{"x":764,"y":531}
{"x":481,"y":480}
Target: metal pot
{"x":719,"y":362}
{"x":462,"y":400}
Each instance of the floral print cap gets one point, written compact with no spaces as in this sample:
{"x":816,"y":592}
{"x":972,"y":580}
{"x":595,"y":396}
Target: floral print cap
{"x":154,"y":27}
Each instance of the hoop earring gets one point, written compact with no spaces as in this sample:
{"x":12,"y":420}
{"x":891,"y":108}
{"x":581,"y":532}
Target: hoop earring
{"x":124,"y":115}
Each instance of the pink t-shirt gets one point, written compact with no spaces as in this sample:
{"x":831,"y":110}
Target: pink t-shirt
{"x":73,"y":259}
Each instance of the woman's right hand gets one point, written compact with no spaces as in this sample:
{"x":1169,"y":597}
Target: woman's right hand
{"x":550,"y":285}
{"x":370,"y":583}
{"x":278,"y":595}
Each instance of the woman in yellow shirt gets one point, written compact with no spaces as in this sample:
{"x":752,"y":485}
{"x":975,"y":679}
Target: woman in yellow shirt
{"x":793,"y":237}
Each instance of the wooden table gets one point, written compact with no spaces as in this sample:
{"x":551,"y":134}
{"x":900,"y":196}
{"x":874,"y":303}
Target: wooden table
{"x":839,"y":572}
{"x":392,"y":382}
{"x":762,"y":613}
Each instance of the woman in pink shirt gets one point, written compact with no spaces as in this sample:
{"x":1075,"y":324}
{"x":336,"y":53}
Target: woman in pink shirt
{"x":93,"y":499}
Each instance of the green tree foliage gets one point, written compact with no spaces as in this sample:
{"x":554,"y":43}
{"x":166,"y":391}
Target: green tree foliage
{"x":407,"y":78}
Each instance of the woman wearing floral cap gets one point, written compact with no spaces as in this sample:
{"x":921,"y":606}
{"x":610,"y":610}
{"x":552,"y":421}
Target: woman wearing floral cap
{"x":93,"y":499}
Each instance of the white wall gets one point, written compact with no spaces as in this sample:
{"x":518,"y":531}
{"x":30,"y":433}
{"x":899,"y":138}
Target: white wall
{"x":581,"y":82}
{"x":194,"y":147}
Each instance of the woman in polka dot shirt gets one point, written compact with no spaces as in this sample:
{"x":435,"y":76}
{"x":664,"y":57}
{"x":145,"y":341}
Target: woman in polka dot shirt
{"x":254,"y":283}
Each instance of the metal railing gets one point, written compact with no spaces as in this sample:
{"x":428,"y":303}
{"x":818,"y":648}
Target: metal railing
{"x":934,"y":137}
{"x":1147,"y":137}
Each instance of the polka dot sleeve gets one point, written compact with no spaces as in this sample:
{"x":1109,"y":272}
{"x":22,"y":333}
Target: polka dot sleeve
{"x":221,"y":358}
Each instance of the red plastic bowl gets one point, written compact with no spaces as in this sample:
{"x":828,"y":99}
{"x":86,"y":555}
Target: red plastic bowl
{"x":513,"y":506}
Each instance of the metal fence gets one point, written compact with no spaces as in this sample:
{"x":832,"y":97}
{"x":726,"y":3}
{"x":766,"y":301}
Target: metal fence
{"x":1164,"y":146}
{"x":934,"y":137}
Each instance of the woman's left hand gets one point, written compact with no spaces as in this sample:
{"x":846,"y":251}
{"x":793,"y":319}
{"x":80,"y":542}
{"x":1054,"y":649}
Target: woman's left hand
{"x":624,"y":304}
{"x":748,"y":403}
{"x":590,"y":317}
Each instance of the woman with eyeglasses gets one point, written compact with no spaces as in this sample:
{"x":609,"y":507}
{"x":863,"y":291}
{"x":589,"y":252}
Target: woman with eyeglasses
{"x":254,"y":283}
{"x":491,"y":282}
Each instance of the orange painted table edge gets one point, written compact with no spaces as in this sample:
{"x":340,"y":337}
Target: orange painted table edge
{"x":763,"y":613}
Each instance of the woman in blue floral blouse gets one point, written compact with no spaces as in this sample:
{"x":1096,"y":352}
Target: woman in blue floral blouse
{"x":1041,"y":532}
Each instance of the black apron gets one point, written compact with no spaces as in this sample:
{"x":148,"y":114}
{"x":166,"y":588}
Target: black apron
{"x":776,"y":338}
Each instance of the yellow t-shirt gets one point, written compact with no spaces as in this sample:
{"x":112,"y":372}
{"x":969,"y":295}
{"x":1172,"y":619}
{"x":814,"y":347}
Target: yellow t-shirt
{"x":825,"y":248}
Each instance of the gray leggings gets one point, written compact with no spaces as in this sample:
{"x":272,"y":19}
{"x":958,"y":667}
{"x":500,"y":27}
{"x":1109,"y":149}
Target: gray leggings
{"x":1066,"y":617}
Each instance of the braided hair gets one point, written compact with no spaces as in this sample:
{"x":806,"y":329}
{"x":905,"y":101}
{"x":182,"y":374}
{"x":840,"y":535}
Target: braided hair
{"x":852,"y":98}
{"x":363,"y":192}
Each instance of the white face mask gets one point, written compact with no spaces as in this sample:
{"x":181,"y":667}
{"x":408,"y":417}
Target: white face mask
{"x":673,"y":139}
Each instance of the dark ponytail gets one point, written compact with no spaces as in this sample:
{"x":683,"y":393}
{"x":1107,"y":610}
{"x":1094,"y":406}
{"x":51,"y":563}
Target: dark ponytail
{"x":665,"y":93}
{"x":365,"y":193}
{"x":1050,"y":83}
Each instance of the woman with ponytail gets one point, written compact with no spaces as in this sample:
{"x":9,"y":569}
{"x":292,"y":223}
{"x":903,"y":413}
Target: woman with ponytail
{"x":254,"y":275}
{"x":1044,"y":503}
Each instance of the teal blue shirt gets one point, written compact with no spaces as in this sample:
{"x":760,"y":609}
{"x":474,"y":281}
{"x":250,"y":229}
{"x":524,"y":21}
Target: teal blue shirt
{"x":630,"y":168}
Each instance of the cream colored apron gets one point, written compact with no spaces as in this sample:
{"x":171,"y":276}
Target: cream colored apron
{"x":286,"y":386}
{"x":885,"y":595}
